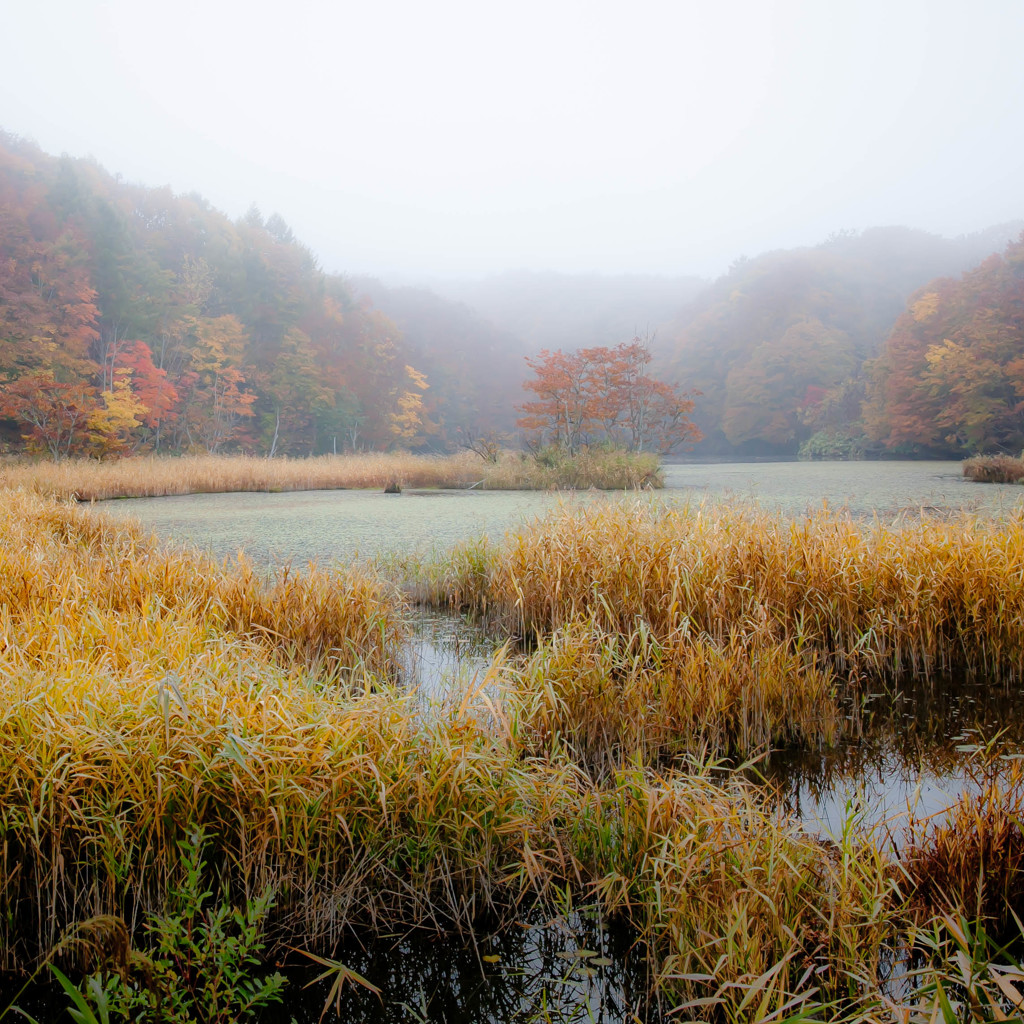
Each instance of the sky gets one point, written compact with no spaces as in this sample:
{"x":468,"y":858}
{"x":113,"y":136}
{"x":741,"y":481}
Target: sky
{"x":407,"y":138}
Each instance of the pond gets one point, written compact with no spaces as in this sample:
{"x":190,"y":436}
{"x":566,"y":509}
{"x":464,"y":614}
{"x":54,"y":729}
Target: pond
{"x":327,"y":526}
{"x":885,"y":768}
{"x":906,"y":754}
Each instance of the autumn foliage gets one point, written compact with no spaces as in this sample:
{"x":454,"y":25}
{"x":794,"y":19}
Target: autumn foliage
{"x":605,"y":394}
{"x":951,"y":375}
{"x":134,"y":320}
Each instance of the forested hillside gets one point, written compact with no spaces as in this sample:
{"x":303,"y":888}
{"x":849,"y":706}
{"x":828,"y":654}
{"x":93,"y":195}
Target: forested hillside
{"x":131,"y":318}
{"x":950,"y":378}
{"x":475,"y":369}
{"x":778,"y":345}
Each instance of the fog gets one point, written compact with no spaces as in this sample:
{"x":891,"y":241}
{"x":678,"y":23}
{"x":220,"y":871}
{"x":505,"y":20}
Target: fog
{"x":456,"y":138}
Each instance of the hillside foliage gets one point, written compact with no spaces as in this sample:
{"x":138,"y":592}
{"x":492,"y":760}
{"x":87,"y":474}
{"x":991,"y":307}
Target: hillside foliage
{"x":778,"y":346}
{"x":134,"y":319}
{"x":950,"y":378}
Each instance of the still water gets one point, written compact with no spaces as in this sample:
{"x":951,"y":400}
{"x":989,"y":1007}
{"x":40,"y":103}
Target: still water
{"x":908,"y":754}
{"x":326,"y":526}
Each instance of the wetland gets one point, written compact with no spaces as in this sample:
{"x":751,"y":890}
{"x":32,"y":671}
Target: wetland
{"x":554,"y":729}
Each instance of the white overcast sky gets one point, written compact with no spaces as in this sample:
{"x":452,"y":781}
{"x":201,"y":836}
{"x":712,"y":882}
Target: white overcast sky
{"x":456,"y":137}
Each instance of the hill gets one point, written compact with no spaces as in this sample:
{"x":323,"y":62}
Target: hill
{"x":778,"y":345}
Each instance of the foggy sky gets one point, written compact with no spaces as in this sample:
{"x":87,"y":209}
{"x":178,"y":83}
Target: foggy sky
{"x":443,"y":137}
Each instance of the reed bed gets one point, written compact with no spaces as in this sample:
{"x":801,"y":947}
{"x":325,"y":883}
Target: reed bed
{"x":76,"y":587}
{"x":143,"y":705}
{"x":611,"y":699}
{"x":152,"y":698}
{"x":994,"y":469}
{"x":156,"y":476}
{"x":748,"y":916}
{"x":923,"y":596}
{"x":969,"y":861}
{"x":605,"y":469}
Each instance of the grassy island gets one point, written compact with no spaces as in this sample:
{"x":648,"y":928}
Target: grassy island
{"x":154,"y":476}
{"x":994,"y":469}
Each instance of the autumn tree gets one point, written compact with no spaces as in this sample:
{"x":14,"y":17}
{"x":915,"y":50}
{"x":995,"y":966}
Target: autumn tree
{"x":55,"y":414}
{"x":215,"y":398}
{"x":157,"y":397}
{"x":950,"y":377}
{"x":113,"y":426}
{"x":603,"y":393}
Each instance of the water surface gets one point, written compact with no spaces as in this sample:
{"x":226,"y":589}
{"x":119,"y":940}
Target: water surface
{"x":327,"y":526}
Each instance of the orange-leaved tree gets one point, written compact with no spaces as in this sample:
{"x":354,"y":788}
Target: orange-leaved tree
{"x":606,"y":394}
{"x":55,"y":413}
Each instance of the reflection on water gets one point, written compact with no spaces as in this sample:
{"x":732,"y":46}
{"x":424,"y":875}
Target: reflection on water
{"x":580,"y":968}
{"x":911,"y":751}
{"x":446,"y":654}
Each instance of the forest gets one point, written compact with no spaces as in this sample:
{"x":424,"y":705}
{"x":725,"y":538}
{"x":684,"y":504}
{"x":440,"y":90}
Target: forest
{"x":133,"y":319}
{"x":136,"y":320}
{"x":812,"y":349}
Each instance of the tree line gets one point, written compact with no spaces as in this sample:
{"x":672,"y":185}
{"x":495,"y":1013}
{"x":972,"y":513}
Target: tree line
{"x":131,"y":318}
{"x":134,"y":319}
{"x":817,"y":349}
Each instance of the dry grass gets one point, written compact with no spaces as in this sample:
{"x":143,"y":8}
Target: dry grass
{"x":147,"y":696}
{"x":970,"y":861}
{"x":611,"y":699}
{"x":154,"y":476}
{"x":924,"y":596}
{"x":747,"y":914}
{"x":76,"y":588}
{"x":994,"y":469}
{"x":606,"y":469}
{"x":141,"y":705}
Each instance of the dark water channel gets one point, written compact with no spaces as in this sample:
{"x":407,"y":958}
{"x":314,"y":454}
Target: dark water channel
{"x":908,"y":749}
{"x":572,"y":969}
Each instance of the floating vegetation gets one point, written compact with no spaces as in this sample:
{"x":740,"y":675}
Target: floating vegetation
{"x":994,"y":469}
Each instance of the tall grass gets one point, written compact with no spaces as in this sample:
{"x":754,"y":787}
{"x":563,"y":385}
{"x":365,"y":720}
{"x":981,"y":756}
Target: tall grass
{"x":969,"y":861}
{"x":922,"y":596}
{"x":142,"y":703}
{"x":153,"y":476}
{"x":609,"y":699}
{"x":994,"y":469}
{"x":76,"y":588}
{"x":149,"y":696}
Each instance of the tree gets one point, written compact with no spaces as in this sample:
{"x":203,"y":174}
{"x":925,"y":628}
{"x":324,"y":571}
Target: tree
{"x":605,"y":393}
{"x":216,"y":401}
{"x":113,"y":424}
{"x":568,"y":390}
{"x":56,"y":413}
{"x":297,"y":393}
{"x":407,"y":419}
{"x":950,"y":377}
{"x":157,"y":397}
